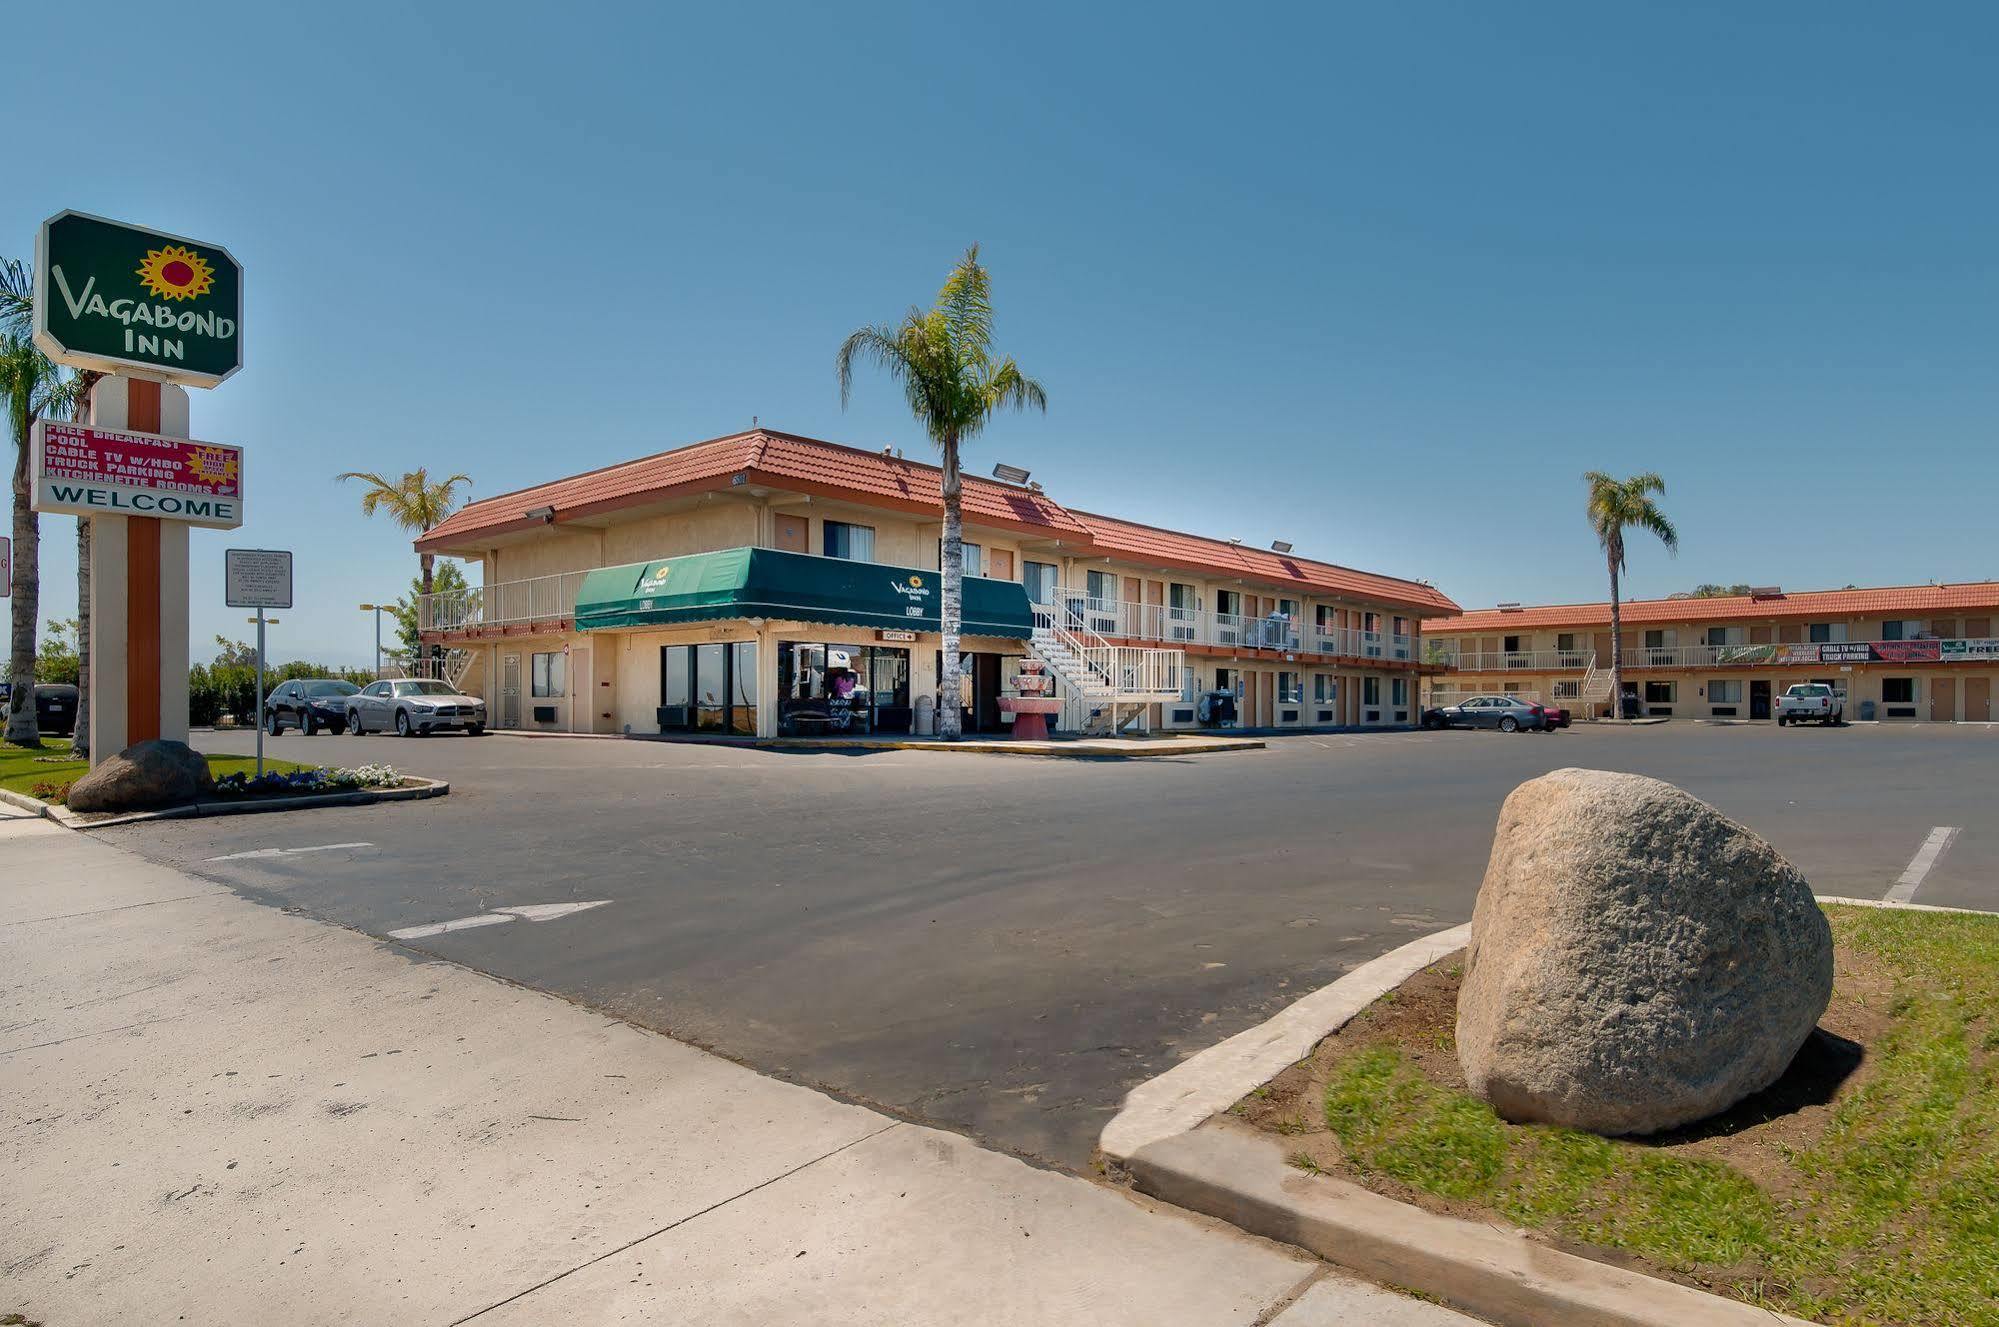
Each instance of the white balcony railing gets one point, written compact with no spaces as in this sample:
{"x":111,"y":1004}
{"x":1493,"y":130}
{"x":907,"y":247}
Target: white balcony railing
{"x":1782,"y":655}
{"x":1184,"y":627}
{"x":541,"y":599}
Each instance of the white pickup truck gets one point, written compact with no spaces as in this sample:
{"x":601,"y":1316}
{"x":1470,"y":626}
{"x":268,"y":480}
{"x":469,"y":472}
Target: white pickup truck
{"x":1810,"y":700}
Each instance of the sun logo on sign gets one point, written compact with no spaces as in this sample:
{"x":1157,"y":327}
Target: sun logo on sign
{"x":176,"y":272}
{"x":915,"y":582}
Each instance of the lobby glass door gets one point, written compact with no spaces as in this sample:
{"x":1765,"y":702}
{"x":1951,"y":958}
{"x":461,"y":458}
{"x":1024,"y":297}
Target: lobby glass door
{"x":709,"y":688}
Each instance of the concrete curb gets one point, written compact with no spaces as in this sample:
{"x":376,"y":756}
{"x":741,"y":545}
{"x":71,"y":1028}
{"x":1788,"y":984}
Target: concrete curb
{"x":426,"y":788}
{"x":1894,"y":906}
{"x":1241,"y":1176}
{"x":1218,"y":1077}
{"x":1077,"y":750}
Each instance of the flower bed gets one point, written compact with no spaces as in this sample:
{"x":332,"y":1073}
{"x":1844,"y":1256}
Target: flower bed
{"x":307,"y":782}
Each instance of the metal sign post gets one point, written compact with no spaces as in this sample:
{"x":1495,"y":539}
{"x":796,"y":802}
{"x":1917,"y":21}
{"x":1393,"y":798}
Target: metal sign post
{"x":258,"y":578}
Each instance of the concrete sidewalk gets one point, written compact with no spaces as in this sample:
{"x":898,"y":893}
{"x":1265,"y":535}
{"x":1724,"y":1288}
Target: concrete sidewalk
{"x":218,"y":1112}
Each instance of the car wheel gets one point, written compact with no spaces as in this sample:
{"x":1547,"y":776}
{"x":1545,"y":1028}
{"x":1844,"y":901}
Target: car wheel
{"x":1509,"y":724}
{"x":354,"y":722}
{"x":308,"y":724}
{"x":272,"y":724}
{"x":338,"y":728}
{"x":476,"y":730}
{"x":403,"y":728}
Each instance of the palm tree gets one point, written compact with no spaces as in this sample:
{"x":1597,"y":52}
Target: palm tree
{"x":412,"y":502}
{"x":945,"y":363}
{"x":32,"y":386}
{"x":1617,"y":505}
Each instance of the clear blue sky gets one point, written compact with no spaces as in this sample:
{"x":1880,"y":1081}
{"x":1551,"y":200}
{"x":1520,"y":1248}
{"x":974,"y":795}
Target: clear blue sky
{"x":1379,"y":280}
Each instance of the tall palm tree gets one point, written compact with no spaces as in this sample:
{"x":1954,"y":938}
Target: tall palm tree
{"x":60,"y":396}
{"x":412,"y":502}
{"x":1617,"y":505}
{"x":954,"y":382}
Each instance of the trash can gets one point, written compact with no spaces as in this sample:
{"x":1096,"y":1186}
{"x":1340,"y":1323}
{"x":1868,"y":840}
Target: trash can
{"x":926,"y":715}
{"x":1866,"y":711}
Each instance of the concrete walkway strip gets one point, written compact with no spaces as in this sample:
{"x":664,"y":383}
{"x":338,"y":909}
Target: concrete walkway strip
{"x":1224,"y":1074}
{"x":273,"y":1119}
{"x":1920,"y":866}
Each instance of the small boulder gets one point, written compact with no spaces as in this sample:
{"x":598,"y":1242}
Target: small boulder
{"x":142,"y":777}
{"x":1637,"y":961}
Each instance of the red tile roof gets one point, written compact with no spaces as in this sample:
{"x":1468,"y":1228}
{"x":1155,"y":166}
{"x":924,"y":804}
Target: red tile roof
{"x":807,"y":465}
{"x":1917,"y":600}
{"x":1147,"y":544}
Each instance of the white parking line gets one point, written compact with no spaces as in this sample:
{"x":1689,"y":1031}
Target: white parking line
{"x":1927,"y":856}
{"x":285,"y":852}
{"x":526,"y":912}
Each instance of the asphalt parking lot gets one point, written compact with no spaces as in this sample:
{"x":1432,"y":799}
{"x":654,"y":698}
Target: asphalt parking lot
{"x":1005,"y":945}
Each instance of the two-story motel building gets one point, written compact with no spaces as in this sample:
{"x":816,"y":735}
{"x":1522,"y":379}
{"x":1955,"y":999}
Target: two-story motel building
{"x":767,"y":584}
{"x":1900,"y":653}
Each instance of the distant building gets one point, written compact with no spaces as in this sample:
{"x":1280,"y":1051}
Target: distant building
{"x":1916,"y":652}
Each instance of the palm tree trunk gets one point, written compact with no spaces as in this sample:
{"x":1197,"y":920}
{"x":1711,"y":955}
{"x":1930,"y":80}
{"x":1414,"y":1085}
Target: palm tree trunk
{"x":26,"y":607}
{"x":82,"y":739}
{"x":951,"y":595}
{"x":1616,"y":644}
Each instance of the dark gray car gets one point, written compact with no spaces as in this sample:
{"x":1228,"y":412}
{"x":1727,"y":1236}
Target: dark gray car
{"x":1508,"y":714}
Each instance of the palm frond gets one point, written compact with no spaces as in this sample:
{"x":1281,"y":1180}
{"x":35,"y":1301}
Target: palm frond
{"x":881,"y":346}
{"x":17,"y":295}
{"x":967,"y":304}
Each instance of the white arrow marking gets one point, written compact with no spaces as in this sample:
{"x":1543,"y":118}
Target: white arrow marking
{"x":527,"y":912}
{"x":285,"y":852}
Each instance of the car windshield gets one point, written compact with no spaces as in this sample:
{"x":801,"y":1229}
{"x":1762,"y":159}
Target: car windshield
{"x":1820,"y":690}
{"x":425,"y":688}
{"x":330,"y":688}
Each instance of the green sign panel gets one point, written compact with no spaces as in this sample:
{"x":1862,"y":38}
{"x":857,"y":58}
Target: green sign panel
{"x":121,"y":298}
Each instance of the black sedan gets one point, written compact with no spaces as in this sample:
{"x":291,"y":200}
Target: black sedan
{"x":308,"y":705}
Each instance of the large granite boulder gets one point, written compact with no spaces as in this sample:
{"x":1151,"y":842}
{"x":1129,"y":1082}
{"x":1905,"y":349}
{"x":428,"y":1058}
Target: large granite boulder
{"x":143,"y":776}
{"x":1637,"y":960}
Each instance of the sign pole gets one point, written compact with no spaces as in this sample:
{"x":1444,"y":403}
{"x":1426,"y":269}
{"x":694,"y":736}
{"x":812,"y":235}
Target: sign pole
{"x":260,"y":692}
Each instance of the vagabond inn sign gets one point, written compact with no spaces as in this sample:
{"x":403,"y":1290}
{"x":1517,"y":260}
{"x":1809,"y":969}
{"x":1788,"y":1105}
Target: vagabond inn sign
{"x":120,"y":298}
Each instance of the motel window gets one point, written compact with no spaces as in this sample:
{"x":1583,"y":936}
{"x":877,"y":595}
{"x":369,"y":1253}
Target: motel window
{"x":1289,"y":691}
{"x":1660,"y":693}
{"x":1398,"y":691}
{"x":1226,"y":679}
{"x":548,"y":675}
{"x":1182,"y":596}
{"x":1826,"y":633}
{"x":1656,"y":640}
{"x":1904,"y":630}
{"x":1370,"y":691}
{"x":855,"y":543}
{"x":1039,"y":578}
{"x":1724,"y":635}
{"x":1566,"y":642}
{"x":1370,"y":622}
{"x":1102,"y":587}
{"x":1725,"y":692}
{"x":1228,"y":602}
{"x":709,"y":687}
{"x":1401,"y":626}
{"x":1288,"y":608}
{"x":1511,"y":645}
{"x":1325,"y":688}
{"x":1898,"y":690}
{"x":975,"y":557}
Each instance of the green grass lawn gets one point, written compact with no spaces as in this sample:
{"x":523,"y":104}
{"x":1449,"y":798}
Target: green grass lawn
{"x":1879,"y":1207}
{"x":21,"y":770}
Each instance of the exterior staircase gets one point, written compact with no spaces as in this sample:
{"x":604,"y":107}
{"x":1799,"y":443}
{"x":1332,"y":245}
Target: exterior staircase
{"x":1105,"y":687}
{"x":452,"y":665}
{"x":1595,"y":688}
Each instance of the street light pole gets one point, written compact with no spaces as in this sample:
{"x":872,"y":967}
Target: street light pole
{"x":376,"y":609}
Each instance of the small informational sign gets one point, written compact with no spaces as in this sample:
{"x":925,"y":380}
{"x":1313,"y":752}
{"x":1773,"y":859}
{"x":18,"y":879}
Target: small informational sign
{"x":119,"y":298}
{"x":895,"y":635}
{"x":257,"y":578}
{"x":83,"y":471}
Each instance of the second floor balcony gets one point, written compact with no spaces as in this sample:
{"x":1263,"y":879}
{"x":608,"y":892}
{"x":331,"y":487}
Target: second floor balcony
{"x":1197,"y":628}
{"x":1794,"y":654}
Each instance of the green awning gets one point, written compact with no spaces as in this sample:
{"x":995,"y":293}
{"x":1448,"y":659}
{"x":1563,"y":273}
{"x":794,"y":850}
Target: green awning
{"x":770,"y":583}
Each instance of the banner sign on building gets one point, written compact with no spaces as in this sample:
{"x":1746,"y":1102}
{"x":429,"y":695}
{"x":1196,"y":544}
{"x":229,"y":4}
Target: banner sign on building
{"x":117,"y":298}
{"x":1966,"y":651}
{"x":84,"y":471}
{"x":257,"y":577}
